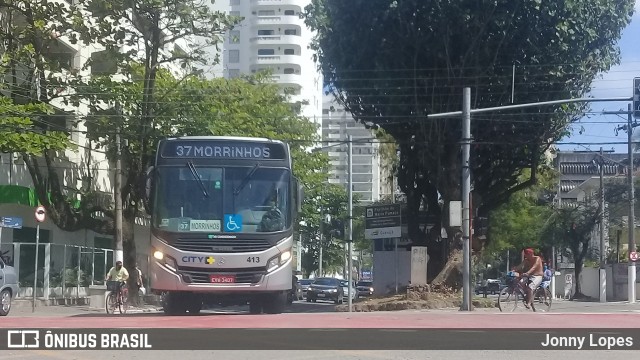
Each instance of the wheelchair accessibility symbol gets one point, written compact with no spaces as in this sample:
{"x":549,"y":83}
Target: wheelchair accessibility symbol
{"x":232,"y":223}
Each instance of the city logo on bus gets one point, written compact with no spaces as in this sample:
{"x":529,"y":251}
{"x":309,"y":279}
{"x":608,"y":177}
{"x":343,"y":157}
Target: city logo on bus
{"x":209,"y":260}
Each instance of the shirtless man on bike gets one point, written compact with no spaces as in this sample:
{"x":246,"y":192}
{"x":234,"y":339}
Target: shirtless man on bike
{"x":531,"y":268}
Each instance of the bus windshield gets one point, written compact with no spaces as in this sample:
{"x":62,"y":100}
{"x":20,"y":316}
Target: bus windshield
{"x":248,"y":199}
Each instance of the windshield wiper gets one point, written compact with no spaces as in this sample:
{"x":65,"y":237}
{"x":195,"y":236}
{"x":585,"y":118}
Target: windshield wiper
{"x":196,"y":175}
{"x":246,"y":180}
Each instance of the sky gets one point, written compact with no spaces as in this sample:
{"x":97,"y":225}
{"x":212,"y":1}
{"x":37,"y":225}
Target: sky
{"x":617,"y":82}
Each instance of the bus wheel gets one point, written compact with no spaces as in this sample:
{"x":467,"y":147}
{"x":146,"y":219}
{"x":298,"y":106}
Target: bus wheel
{"x":194,"y":305}
{"x":275,"y":303}
{"x":255,"y":305}
{"x":174,"y":304}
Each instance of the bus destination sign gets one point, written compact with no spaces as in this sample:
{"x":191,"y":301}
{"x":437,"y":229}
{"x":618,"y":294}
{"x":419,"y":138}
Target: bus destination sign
{"x":224,"y":150}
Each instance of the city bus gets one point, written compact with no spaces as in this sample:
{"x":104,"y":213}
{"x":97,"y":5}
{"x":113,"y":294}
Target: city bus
{"x":222,"y":215}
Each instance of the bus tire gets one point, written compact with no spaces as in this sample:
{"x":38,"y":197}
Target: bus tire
{"x":174,"y":304}
{"x":194,"y":305}
{"x":255,"y":305}
{"x":275,"y":303}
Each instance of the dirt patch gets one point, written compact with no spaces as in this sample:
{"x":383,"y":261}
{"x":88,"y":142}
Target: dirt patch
{"x":416,"y":298}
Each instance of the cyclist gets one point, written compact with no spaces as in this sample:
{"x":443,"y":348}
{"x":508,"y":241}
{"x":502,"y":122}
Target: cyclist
{"x":532,"y":269}
{"x":120,"y":274}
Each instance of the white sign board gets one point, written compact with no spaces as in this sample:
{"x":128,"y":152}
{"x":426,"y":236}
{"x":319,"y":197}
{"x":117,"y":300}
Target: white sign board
{"x":455,"y":213}
{"x":419,"y":259}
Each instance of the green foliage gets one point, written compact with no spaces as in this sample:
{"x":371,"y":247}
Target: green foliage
{"x":519,"y":222}
{"x":570,"y":227}
{"x":408,"y":59}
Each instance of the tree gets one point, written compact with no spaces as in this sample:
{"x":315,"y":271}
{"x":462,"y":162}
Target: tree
{"x":571,"y":227}
{"x":413,"y":58}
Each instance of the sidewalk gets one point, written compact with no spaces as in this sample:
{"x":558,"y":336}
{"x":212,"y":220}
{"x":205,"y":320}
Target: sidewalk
{"x":24,"y":308}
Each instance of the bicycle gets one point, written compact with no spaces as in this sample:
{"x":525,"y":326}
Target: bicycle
{"x":117,"y":296}
{"x":515,"y":291}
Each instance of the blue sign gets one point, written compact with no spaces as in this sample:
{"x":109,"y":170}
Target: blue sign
{"x":12,"y":222}
{"x":232,"y":223}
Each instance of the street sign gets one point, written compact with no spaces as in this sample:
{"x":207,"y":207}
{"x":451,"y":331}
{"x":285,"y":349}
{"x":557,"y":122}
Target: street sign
{"x":636,"y":98}
{"x":11,"y":222}
{"x":633,"y":256}
{"x":383,"y":222}
{"x":40,"y":213}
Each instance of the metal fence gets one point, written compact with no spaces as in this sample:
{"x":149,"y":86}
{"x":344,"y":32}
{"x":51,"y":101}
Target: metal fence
{"x":62,"y":270}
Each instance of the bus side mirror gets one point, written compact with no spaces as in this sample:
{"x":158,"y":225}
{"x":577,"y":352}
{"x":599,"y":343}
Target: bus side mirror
{"x":148,"y":189}
{"x":300,"y":198}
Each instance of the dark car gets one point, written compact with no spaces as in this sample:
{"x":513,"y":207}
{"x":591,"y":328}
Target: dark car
{"x":304,"y":285}
{"x":328,"y":289}
{"x":296,"y":291}
{"x":365,"y":288}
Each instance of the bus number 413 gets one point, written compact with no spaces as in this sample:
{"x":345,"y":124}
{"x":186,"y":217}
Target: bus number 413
{"x":253,"y":259}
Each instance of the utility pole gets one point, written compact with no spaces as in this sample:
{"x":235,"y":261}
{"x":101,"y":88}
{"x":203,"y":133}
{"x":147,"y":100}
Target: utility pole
{"x":466,"y":195}
{"x":603,"y":270}
{"x":321,"y":240}
{"x":350,"y":262}
{"x":117,"y":194}
{"x":631,"y":284}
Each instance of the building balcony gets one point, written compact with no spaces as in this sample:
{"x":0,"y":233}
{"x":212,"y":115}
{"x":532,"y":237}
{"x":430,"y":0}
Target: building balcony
{"x":288,"y":79}
{"x":280,"y":21}
{"x":269,"y":4}
{"x":280,"y":40}
{"x":277,"y":59}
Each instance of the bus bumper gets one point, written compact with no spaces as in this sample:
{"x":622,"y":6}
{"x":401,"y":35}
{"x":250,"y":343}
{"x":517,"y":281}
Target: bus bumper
{"x":238,"y":281}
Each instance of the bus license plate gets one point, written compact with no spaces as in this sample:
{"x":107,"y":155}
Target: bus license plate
{"x":222,"y":279}
{"x":321,"y":295}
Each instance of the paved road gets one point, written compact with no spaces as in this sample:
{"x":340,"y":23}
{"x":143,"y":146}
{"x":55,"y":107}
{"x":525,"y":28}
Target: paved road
{"x":303,"y":315}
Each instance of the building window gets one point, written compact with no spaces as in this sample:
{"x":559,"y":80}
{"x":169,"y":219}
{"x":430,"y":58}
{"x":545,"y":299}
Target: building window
{"x":234,"y":73}
{"x":265,"y":32}
{"x":266,"y":51}
{"x":235,"y":2}
{"x":289,"y":52}
{"x":234,"y":56}
{"x":289,"y":71}
{"x":234,"y":13}
{"x":290,"y":32}
{"x":289,"y":12}
{"x":234,"y":36}
{"x":266,"y":13}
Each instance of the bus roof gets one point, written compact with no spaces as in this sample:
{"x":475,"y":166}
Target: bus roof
{"x":232,"y":138}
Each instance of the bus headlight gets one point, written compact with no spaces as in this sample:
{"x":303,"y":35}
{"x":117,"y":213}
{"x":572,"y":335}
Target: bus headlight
{"x":284,"y":257}
{"x":165,"y":260}
{"x":278,"y":260}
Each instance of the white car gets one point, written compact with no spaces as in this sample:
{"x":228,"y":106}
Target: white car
{"x":8,"y":287}
{"x":345,"y":289}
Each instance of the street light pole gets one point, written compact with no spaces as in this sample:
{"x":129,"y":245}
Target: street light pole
{"x":603,"y":271}
{"x":350,"y":244}
{"x":631,"y":284}
{"x":466,"y":195}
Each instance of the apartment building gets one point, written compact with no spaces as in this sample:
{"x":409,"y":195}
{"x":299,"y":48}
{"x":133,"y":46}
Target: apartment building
{"x":273,"y":36}
{"x":337,"y":125}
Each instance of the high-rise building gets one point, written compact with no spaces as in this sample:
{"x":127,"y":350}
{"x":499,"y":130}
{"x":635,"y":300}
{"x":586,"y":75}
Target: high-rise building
{"x":337,"y":125}
{"x":273,"y":36}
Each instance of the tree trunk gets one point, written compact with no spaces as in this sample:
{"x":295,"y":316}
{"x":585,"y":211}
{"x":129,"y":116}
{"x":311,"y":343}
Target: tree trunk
{"x":451,"y":274}
{"x":130,"y":259}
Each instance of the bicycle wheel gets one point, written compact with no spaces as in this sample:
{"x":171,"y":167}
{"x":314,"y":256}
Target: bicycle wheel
{"x":544,"y":299}
{"x":111,"y":303}
{"x":124,"y":303}
{"x":508,"y":299}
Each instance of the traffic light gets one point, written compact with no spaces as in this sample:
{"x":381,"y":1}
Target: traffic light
{"x":636,"y":98}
